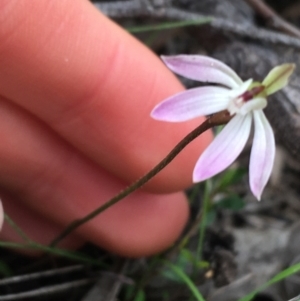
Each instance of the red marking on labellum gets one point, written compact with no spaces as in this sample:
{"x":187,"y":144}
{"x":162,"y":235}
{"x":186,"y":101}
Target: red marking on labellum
{"x":248,"y":95}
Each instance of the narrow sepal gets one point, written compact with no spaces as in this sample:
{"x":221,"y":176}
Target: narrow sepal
{"x":262,"y":154}
{"x":278,"y":78}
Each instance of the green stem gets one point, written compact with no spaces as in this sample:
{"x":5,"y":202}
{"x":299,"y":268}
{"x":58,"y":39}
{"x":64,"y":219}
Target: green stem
{"x":186,"y":279}
{"x":217,"y":119}
{"x":17,"y":229}
{"x":205,"y":204}
{"x":55,"y":251}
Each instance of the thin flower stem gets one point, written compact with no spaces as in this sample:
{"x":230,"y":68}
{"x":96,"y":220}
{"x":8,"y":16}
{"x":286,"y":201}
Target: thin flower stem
{"x":214,"y":120}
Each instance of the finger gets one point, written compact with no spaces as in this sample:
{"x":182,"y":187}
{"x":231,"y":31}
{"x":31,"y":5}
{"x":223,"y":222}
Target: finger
{"x":95,"y":85}
{"x":55,"y":180}
{"x":36,"y":228}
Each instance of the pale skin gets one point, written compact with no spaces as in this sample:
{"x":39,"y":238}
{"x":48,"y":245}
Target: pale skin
{"x":76,"y":92}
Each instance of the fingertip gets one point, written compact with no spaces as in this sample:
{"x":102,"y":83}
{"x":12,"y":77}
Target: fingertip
{"x":35,"y":227}
{"x":94,"y":85}
{"x":145,"y":225}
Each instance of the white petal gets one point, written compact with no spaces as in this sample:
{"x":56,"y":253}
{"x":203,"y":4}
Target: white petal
{"x":241,"y":89}
{"x":224,"y":149}
{"x":203,"y":68}
{"x":253,"y":104}
{"x":192,"y":103}
{"x":235,"y":100}
{"x":262,"y":154}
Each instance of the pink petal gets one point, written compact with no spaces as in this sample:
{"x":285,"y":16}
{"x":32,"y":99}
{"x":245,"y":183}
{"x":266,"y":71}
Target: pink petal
{"x":224,"y":149}
{"x":203,"y":68}
{"x":262,"y":154}
{"x":192,"y":103}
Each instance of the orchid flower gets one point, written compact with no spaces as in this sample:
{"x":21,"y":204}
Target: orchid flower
{"x":244,"y":101}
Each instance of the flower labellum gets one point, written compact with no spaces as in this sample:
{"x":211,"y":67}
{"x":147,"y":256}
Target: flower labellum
{"x":245,"y":101}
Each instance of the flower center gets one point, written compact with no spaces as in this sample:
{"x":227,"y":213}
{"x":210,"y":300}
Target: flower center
{"x":248,"y":95}
{"x":248,"y":101}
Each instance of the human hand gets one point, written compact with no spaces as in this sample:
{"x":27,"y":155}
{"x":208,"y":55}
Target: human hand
{"x":76,"y":92}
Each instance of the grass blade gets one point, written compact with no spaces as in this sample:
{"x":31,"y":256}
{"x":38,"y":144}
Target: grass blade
{"x":280,"y":276}
{"x":168,"y":25}
{"x":185,"y":278}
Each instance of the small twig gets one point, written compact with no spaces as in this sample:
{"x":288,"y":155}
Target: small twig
{"x":47,"y":290}
{"x":296,"y":298}
{"x":42,"y":274}
{"x":273,"y":18}
{"x":216,"y":119}
{"x":132,"y":8}
{"x":242,"y":30}
{"x":109,"y":285}
{"x":122,"y":9}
